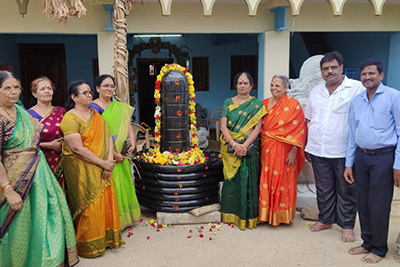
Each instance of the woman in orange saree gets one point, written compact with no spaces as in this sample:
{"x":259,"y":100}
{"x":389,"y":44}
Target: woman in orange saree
{"x":87,"y":162}
{"x":283,"y":137}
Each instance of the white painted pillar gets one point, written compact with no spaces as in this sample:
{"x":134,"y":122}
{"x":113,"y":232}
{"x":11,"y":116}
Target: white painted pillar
{"x":276,"y":57}
{"x":105,"y":51}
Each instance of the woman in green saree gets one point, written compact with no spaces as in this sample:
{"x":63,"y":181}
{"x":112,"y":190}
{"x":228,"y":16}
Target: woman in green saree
{"x":118,"y":118}
{"x":240,"y":149}
{"x":36,"y":224}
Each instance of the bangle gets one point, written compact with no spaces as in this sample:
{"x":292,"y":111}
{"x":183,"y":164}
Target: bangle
{"x":5,"y":186}
{"x":5,"y":189}
{"x":234,"y":144}
{"x":97,"y":161}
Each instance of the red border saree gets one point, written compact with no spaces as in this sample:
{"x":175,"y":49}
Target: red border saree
{"x":283,"y":128}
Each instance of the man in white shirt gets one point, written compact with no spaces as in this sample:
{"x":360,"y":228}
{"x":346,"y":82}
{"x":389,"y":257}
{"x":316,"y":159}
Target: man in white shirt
{"x":326,"y":114}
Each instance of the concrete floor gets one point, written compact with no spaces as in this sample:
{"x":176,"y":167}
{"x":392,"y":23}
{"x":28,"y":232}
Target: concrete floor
{"x":263,"y":246}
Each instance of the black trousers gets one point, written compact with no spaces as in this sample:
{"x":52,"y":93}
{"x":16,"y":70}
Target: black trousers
{"x":374,"y":177}
{"x":337,"y":200}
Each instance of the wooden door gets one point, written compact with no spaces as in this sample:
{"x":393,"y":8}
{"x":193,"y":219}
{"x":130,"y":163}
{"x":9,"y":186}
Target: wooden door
{"x":43,"y":60}
{"x":146,"y":83}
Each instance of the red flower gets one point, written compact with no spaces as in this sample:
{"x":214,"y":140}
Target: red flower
{"x":192,"y":98}
{"x":176,"y":208}
{"x":179,"y":113}
{"x":200,"y":231}
{"x":141,"y":220}
{"x":177,"y":150}
{"x":189,"y":236}
{"x":193,"y":135}
{"x":206,"y":158}
{"x":177,"y":98}
{"x":158,"y":82}
{"x":191,"y":112}
{"x":158,"y":230}
{"x":206,"y":167}
{"x":178,"y":170}
{"x":185,"y":70}
{"x":201,"y":235}
{"x":158,"y":87}
{"x":229,"y":224}
{"x":210,"y":238}
{"x":205,"y":175}
{"x":190,"y":231}
{"x":156,"y":101}
{"x":159,"y":226}
{"x":213,"y":226}
{"x":148,"y":237}
{"x":178,"y":136}
{"x":177,"y":82}
{"x":201,"y":227}
{"x":177,"y":199}
{"x":130,"y":234}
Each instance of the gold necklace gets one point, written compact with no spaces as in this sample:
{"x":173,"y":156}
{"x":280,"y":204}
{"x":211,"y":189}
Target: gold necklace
{"x":9,"y":115}
{"x":84,"y":117}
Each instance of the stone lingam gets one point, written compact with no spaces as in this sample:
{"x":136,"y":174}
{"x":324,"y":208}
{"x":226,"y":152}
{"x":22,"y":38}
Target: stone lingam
{"x":175,"y":176}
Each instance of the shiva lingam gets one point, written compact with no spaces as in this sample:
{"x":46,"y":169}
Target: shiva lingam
{"x":175,"y":175}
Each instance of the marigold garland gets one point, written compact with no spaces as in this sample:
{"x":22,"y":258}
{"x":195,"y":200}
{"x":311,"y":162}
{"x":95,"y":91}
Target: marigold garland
{"x":193,"y":155}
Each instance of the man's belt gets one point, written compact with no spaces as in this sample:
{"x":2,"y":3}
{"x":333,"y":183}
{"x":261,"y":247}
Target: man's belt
{"x":378,"y":150}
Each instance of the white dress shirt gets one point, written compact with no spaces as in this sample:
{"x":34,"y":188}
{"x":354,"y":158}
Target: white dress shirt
{"x":328,"y":129}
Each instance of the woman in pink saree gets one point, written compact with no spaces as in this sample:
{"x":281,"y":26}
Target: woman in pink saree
{"x":51,"y":137}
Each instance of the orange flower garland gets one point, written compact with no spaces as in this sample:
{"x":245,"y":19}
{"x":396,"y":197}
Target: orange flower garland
{"x":194,"y":155}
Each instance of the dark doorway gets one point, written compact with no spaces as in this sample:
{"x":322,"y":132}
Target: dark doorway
{"x":146,"y":84}
{"x":43,"y":60}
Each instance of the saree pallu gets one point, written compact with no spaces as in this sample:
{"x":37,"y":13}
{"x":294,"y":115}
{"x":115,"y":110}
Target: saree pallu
{"x":118,"y":118}
{"x":91,"y":199}
{"x":50,"y":132}
{"x":42,"y":233}
{"x":283,"y":128}
{"x":239,"y":197}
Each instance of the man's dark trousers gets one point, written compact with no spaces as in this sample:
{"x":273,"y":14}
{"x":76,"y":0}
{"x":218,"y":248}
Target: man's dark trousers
{"x":337,"y":200}
{"x":373,"y":174}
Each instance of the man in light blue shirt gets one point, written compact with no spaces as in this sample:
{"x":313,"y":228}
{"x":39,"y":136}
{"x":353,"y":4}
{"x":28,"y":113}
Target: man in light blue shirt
{"x":374,"y":132}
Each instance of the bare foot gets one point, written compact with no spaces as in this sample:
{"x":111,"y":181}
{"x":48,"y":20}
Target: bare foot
{"x":358,"y":250}
{"x":371,"y":258}
{"x":348,"y":235}
{"x":319,"y":226}
{"x":397,"y":257}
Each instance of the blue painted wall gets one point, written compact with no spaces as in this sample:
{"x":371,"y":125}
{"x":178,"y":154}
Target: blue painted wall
{"x":359,"y":46}
{"x":219,"y":49}
{"x":392,"y":73}
{"x":9,"y":52}
{"x":79,"y":52}
{"x":354,"y":46}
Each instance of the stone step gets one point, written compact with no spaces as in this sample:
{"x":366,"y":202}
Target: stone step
{"x":187,"y":218}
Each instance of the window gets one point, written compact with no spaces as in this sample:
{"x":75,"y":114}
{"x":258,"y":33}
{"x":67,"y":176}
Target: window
{"x":201,"y":73}
{"x":244,"y":64}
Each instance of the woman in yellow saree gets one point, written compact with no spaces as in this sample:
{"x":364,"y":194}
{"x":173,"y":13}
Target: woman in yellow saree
{"x":283,"y":136}
{"x":36,"y":227}
{"x":240,"y":126}
{"x":118,"y":118}
{"x":87,"y":161}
